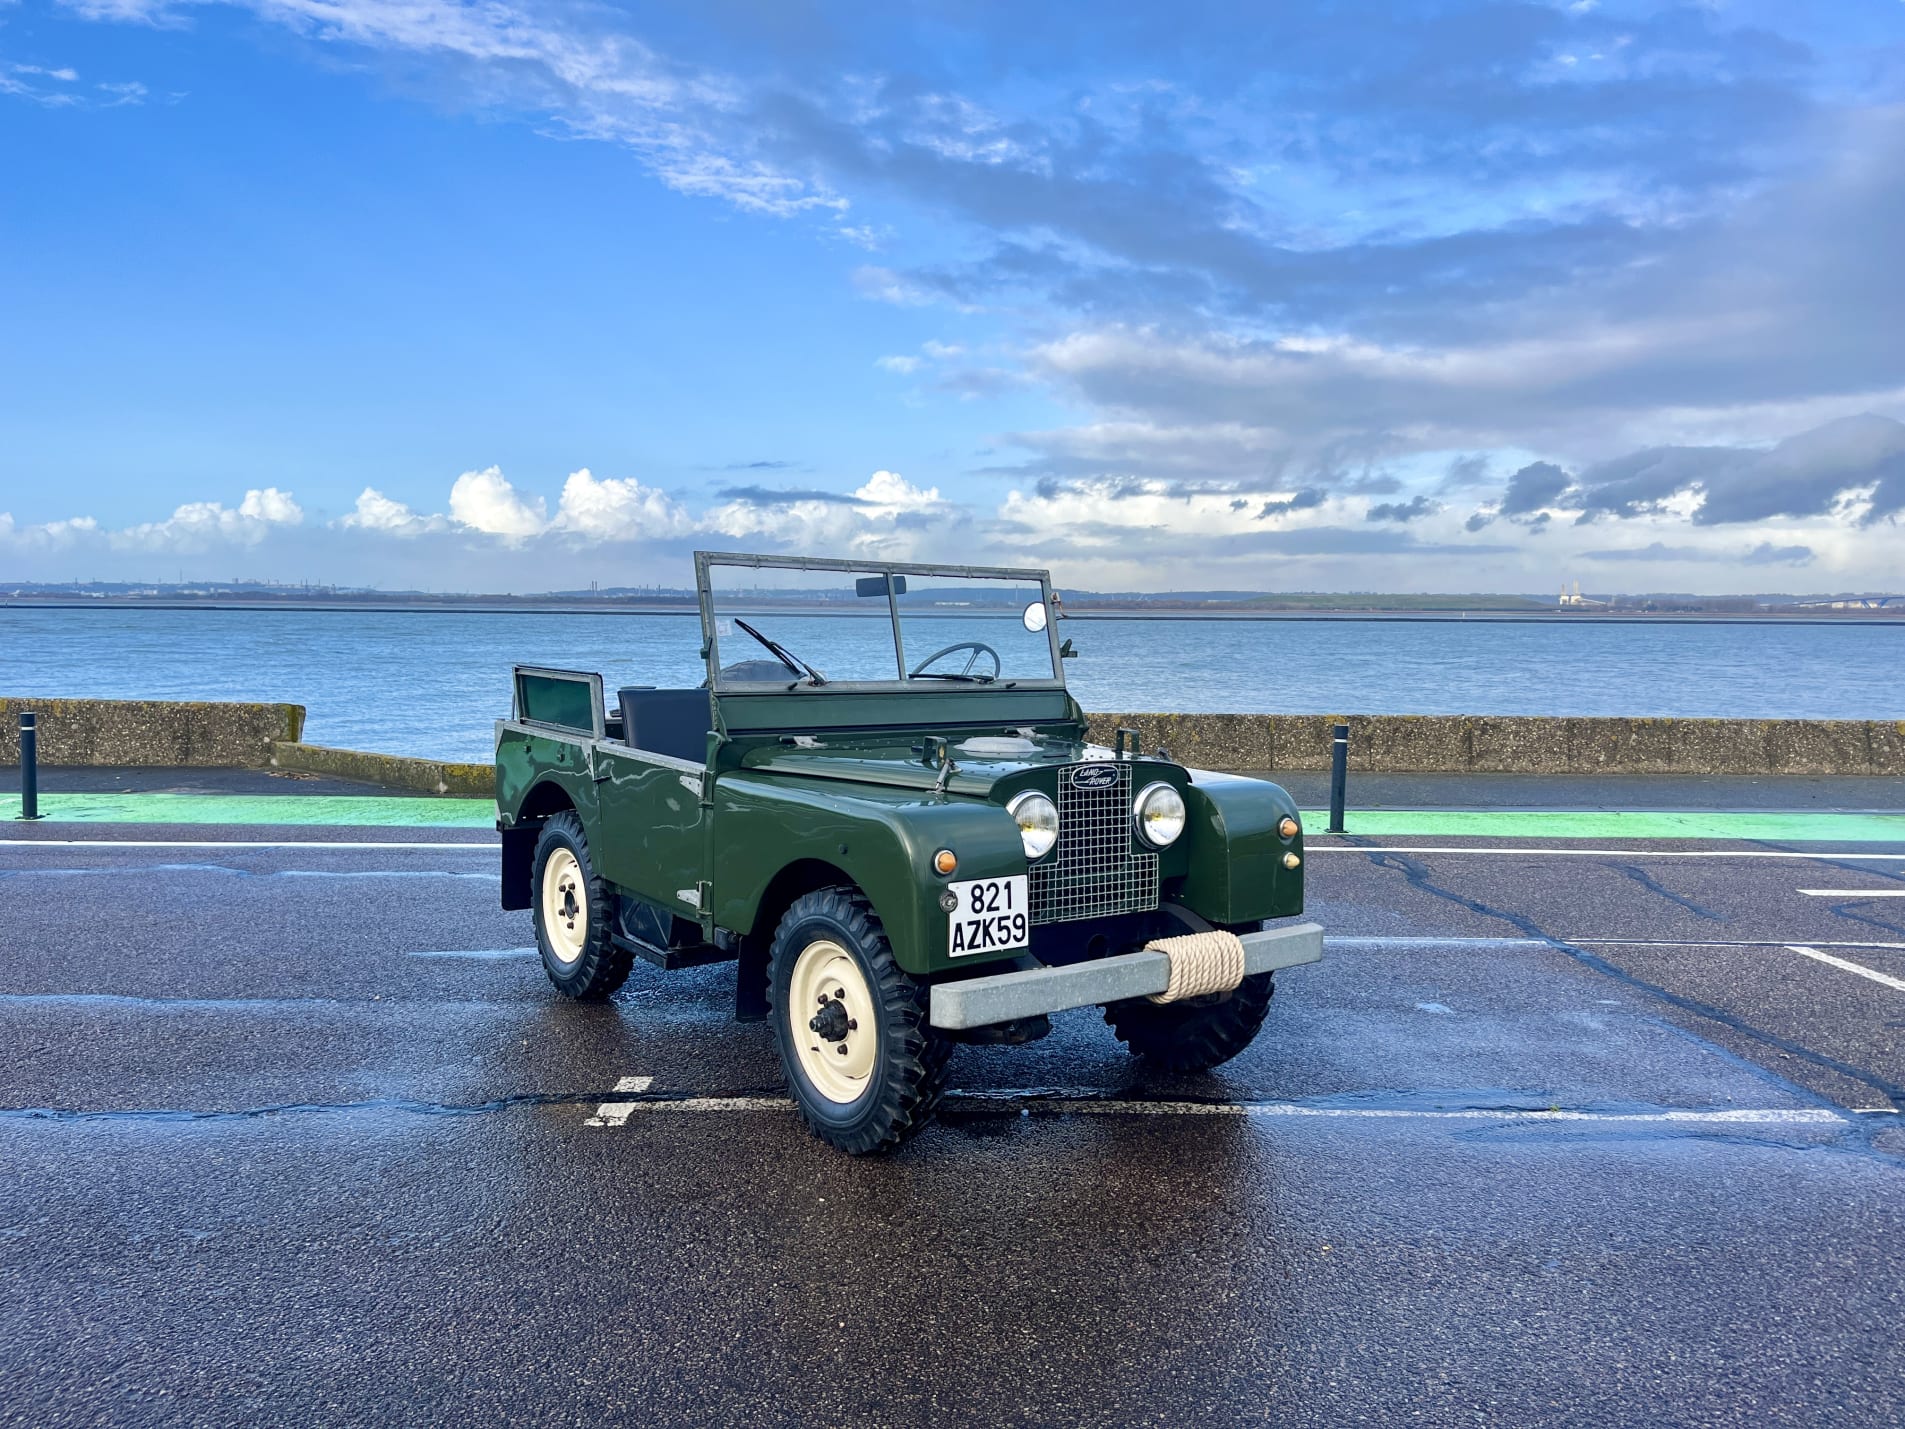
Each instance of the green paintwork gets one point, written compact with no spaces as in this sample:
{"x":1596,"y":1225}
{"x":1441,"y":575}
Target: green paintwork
{"x":1241,"y":816}
{"x":810,"y":784}
{"x":664,"y":803}
{"x":881,"y":839}
{"x":805,"y":709}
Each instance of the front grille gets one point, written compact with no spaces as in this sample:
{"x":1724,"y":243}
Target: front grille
{"x":1095,"y":870}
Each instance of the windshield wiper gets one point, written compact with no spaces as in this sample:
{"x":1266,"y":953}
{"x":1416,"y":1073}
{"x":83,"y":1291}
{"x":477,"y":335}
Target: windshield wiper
{"x":787,"y":657}
{"x":952,"y":675}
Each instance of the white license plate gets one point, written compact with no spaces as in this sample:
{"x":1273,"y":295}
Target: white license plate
{"x":993,"y":914}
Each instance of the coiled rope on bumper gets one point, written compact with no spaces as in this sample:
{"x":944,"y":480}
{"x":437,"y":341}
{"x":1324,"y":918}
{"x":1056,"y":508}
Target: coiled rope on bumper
{"x":1201,"y":963}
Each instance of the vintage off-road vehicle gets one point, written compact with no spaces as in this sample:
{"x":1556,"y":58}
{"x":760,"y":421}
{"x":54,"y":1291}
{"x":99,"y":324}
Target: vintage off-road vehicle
{"x":881,"y":804}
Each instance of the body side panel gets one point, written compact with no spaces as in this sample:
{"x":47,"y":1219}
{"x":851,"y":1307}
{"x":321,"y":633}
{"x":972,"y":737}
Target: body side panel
{"x":649,"y":835}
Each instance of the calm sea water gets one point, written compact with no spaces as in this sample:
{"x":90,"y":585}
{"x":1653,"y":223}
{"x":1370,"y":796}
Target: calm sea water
{"x":429,"y":683}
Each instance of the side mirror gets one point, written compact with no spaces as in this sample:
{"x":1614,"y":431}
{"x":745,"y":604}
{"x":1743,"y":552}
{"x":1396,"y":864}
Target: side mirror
{"x":1035,"y":616}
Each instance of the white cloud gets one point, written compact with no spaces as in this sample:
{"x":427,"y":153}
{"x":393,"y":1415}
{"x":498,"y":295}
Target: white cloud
{"x":378,"y":512}
{"x":271,"y":506}
{"x":485,"y":501}
{"x":200,"y":526}
{"x":887,"y":493}
{"x":618,"y":509}
{"x":886,"y":515}
{"x":45,"y":536}
{"x":886,"y":286}
{"x":594,"y":80}
{"x":897,"y":364}
{"x":864,"y":235}
{"x":1104,"y":531}
{"x":53,"y":87}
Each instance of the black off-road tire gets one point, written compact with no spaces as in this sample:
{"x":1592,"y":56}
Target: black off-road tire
{"x":598,"y":966}
{"x":910,"y":1056}
{"x":1197,"y":1034}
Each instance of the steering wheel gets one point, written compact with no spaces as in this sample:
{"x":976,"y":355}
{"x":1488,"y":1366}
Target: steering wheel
{"x":978,"y":648}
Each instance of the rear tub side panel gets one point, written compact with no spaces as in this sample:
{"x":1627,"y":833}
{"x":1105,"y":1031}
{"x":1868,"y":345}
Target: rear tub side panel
{"x":883,"y":839}
{"x":534,"y":772}
{"x":525,"y":760}
{"x":1236,"y":854}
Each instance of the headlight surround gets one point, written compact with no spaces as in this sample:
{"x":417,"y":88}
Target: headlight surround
{"x":1038,"y":822}
{"x":1158,"y":813}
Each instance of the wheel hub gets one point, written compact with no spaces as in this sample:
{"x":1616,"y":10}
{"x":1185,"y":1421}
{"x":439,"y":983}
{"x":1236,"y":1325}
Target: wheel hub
{"x":832,"y":1021}
{"x":565,"y":914}
{"x":838,"y":1046}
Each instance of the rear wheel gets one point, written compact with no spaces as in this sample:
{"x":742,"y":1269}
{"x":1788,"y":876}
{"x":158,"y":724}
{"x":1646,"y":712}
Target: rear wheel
{"x":864,"y":1064}
{"x":1198,"y":1033}
{"x":573,"y":911}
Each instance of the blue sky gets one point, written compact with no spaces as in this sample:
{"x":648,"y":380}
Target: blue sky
{"x":1360,"y":295}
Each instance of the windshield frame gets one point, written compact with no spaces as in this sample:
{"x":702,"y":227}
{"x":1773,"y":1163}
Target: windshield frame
{"x":705,"y":561}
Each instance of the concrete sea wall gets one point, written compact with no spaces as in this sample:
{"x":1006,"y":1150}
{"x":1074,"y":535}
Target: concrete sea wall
{"x":172,"y":733}
{"x":1516,"y":744}
{"x":394,"y":771}
{"x":193,"y":734}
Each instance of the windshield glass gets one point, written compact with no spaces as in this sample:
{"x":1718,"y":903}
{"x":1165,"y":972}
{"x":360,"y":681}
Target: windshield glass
{"x":972,"y":627}
{"x":775,"y":626}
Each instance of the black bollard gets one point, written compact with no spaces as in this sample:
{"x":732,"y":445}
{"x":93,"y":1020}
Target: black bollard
{"x":29,"y":766}
{"x":1339,"y":777}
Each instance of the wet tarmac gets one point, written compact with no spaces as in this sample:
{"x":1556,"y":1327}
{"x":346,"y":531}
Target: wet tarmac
{"x":295,"y":1131}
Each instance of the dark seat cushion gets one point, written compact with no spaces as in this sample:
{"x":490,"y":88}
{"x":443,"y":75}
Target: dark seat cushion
{"x":671,"y":722}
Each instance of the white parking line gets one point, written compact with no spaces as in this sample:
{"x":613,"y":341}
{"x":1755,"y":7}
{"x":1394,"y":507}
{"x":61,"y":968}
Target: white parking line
{"x":1755,"y":1116}
{"x":1610,"y":852}
{"x":1351,"y":941}
{"x":615,"y":1113}
{"x":1845,"y":966}
{"x":478,"y":954}
{"x":1664,"y":943}
{"x":1853,"y":893}
{"x":618,"y":1113}
{"x":1426,"y":941}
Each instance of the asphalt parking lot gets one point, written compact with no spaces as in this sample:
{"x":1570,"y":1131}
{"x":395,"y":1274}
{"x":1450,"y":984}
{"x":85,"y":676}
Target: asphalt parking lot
{"x":294,"y":1129}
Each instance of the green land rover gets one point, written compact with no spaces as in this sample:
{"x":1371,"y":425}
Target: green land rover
{"x":881,"y":805}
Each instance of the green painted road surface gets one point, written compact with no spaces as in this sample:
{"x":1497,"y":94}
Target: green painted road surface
{"x":328,"y":809}
{"x":1601,"y":824}
{"x":370,"y":810}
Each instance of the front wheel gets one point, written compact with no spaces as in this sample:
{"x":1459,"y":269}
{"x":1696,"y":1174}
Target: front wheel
{"x":1198,"y":1033}
{"x":865,"y":1065}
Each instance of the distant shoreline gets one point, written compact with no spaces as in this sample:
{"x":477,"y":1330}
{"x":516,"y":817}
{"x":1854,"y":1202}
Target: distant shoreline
{"x":1481,"y":615}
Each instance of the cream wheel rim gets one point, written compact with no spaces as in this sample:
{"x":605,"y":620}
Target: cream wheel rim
{"x":565,"y":905}
{"x":834,"y":1029}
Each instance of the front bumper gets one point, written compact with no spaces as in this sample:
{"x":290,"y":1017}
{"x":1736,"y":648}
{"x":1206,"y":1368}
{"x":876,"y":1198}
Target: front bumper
{"x":1002,"y":997}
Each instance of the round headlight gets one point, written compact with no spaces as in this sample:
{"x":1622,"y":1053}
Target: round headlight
{"x":1158,"y":812}
{"x":1038,"y":823}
